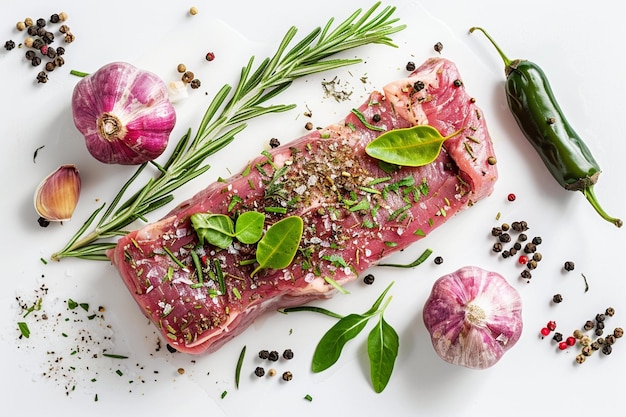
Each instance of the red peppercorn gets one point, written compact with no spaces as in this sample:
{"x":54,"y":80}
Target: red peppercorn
{"x":562,"y":345}
{"x":545,"y":331}
{"x":523,"y":260}
{"x":551,"y":325}
{"x":210,"y":56}
{"x":511,"y":197}
{"x":571,"y":341}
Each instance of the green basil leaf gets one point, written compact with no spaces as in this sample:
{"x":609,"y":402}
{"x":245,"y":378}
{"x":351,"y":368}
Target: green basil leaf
{"x":216,"y":229}
{"x":249,"y":227}
{"x":414,"y":146}
{"x":331,"y":344}
{"x":382,"y":348}
{"x":278,"y":246}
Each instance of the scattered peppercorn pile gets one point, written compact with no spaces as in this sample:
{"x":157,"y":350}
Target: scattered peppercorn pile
{"x":39,"y":41}
{"x":273,"y":356}
{"x":529,"y":256}
{"x":588,"y":345}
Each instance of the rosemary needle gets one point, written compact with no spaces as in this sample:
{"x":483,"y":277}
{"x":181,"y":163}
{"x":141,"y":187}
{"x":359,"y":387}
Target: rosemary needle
{"x":225,"y":118}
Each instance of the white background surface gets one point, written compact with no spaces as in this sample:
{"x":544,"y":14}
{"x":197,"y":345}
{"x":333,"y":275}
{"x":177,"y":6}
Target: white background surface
{"x":580,"y":47}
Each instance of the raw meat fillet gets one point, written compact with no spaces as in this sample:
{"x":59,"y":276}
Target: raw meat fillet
{"x":355,"y":212}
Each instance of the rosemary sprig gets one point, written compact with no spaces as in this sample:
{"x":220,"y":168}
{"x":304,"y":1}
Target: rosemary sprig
{"x":225,"y":118}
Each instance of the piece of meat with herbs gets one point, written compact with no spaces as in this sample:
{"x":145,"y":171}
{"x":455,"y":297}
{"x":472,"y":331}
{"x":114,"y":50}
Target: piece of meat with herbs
{"x":355,"y":212}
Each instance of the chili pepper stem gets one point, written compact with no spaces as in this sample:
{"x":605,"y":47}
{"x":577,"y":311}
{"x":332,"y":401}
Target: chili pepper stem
{"x":591,"y":197}
{"x":507,"y":61}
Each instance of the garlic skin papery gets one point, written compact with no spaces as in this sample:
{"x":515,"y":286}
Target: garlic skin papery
{"x":57,"y":195}
{"x":124,"y":113}
{"x":473,"y":316}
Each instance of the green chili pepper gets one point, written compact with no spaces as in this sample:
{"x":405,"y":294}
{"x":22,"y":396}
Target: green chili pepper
{"x":540,"y":118}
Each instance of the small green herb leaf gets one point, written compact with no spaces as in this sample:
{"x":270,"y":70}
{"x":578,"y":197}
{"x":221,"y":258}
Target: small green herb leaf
{"x":414,"y":146}
{"x":242,"y":354}
{"x":216,"y":229}
{"x":278,"y":246}
{"x":331,"y":344}
{"x":249,"y":227}
{"x":382,"y":348}
{"x":23,"y":326}
{"x":418,"y":261}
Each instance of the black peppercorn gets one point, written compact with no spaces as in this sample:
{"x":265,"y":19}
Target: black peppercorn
{"x":41,"y":22}
{"x":516,"y":226}
{"x":504,"y":237}
{"x":264,"y":354}
{"x":418,"y":86}
{"x":48,"y":37}
{"x":610,"y":311}
{"x":8,"y":45}
{"x":376,"y":118}
{"x":195,"y":83}
{"x":532,"y":264}
{"x":517,"y":246}
{"x":505,"y":227}
{"x":59,"y":61}
{"x":607,"y":349}
{"x":600,"y":317}
{"x":537,"y":240}
{"x":458,"y":83}
{"x":259,"y":371}
{"x":609,"y":339}
{"x":35,"y":61}
{"x":410,"y":66}
{"x":557,"y":298}
{"x":55,"y":18}
{"x":288,"y":354}
{"x":38,"y":43}
{"x":273,"y":356}
{"x":60,"y":50}
{"x":50,"y":66}
{"x":537,"y":257}
{"x":496,"y":231}
{"x":51,"y":53}
{"x":568,"y":266}
{"x":287,"y":376}
{"x":32,"y":30}
{"x":43,"y":222}
{"x":438,"y":47}
{"x":522,"y":237}
{"x":530,"y":248}
{"x":588,"y":325}
{"x":595,"y":345}
{"x":368,"y":279}
{"x":600,"y":325}
{"x":308,"y":126}
{"x":506,"y":254}
{"x":274,"y":143}
{"x":558,"y":337}
{"x":438,"y":260}
{"x":497,"y":247}
{"x":599,"y":332}
{"x":30,"y":55}
{"x":526,"y":274}
{"x":618,"y":332}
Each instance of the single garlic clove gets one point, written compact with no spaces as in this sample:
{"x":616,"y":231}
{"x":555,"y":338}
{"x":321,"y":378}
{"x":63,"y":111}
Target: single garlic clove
{"x":57,"y":195}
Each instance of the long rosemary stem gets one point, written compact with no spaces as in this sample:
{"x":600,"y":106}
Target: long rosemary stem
{"x":225,"y":118}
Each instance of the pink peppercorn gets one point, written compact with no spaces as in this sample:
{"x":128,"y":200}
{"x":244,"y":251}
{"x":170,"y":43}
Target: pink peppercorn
{"x":551,"y":325}
{"x":545,"y":331}
{"x":571,"y":341}
{"x":511,"y":197}
{"x":562,"y":345}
